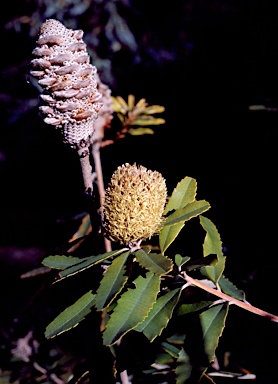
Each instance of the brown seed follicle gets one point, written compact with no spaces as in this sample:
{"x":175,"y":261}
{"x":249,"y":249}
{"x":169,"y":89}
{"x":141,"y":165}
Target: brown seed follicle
{"x":68,"y":81}
{"x":49,"y":39}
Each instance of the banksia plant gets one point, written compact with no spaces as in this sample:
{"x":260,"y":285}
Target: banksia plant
{"x":138,"y":288}
{"x":134,"y":203}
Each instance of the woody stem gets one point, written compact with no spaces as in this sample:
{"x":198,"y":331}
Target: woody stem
{"x":86,"y":172}
{"x":230,"y":299}
{"x":101,"y":189}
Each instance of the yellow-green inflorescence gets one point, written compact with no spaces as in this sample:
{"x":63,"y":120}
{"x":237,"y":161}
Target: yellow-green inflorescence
{"x":134,"y":203}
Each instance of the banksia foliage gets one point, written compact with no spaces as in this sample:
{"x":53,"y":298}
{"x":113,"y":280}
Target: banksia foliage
{"x":70,"y":96}
{"x":136,"y":118}
{"x":134,"y":203}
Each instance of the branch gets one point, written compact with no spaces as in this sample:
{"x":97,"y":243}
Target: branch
{"x":86,"y":172}
{"x":53,"y":376}
{"x":230,"y":299}
{"x":101,"y":189}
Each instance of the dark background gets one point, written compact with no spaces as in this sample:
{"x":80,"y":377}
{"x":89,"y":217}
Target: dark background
{"x":206,"y":62}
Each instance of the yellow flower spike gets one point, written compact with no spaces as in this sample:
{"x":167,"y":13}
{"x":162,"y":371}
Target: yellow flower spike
{"x":134,"y":203}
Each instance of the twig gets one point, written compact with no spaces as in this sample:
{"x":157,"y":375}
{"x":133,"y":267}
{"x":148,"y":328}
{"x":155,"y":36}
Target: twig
{"x":86,"y":172}
{"x":101,"y":189}
{"x":88,"y":177}
{"x":230,"y":299}
{"x":53,"y":376}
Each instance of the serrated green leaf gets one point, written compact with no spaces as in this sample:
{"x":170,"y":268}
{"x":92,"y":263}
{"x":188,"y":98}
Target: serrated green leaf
{"x":154,"y":262}
{"x":168,"y":234}
{"x":186,"y":213}
{"x":159,"y":315}
{"x":192,"y":366}
{"x":212,"y":245}
{"x":184,"y":367}
{"x":184,"y":309}
{"x":179,"y":260}
{"x":230,"y":289}
{"x":140,"y":131}
{"x":184,"y":193}
{"x":149,"y":120}
{"x":71,"y":316}
{"x":87,"y":263}
{"x":112,"y":282}
{"x":60,"y":261}
{"x":132,"y":308}
{"x":213,"y":322}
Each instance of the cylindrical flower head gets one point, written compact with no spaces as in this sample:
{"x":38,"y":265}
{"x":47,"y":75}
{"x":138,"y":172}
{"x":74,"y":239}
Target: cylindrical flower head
{"x":68,"y":80}
{"x":134,"y":203}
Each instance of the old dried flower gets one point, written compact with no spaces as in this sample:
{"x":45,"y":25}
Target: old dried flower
{"x":134,"y":203}
{"x":70,"y":96}
{"x":105,"y":115}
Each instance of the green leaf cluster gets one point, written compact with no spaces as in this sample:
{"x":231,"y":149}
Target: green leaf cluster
{"x":136,"y":117}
